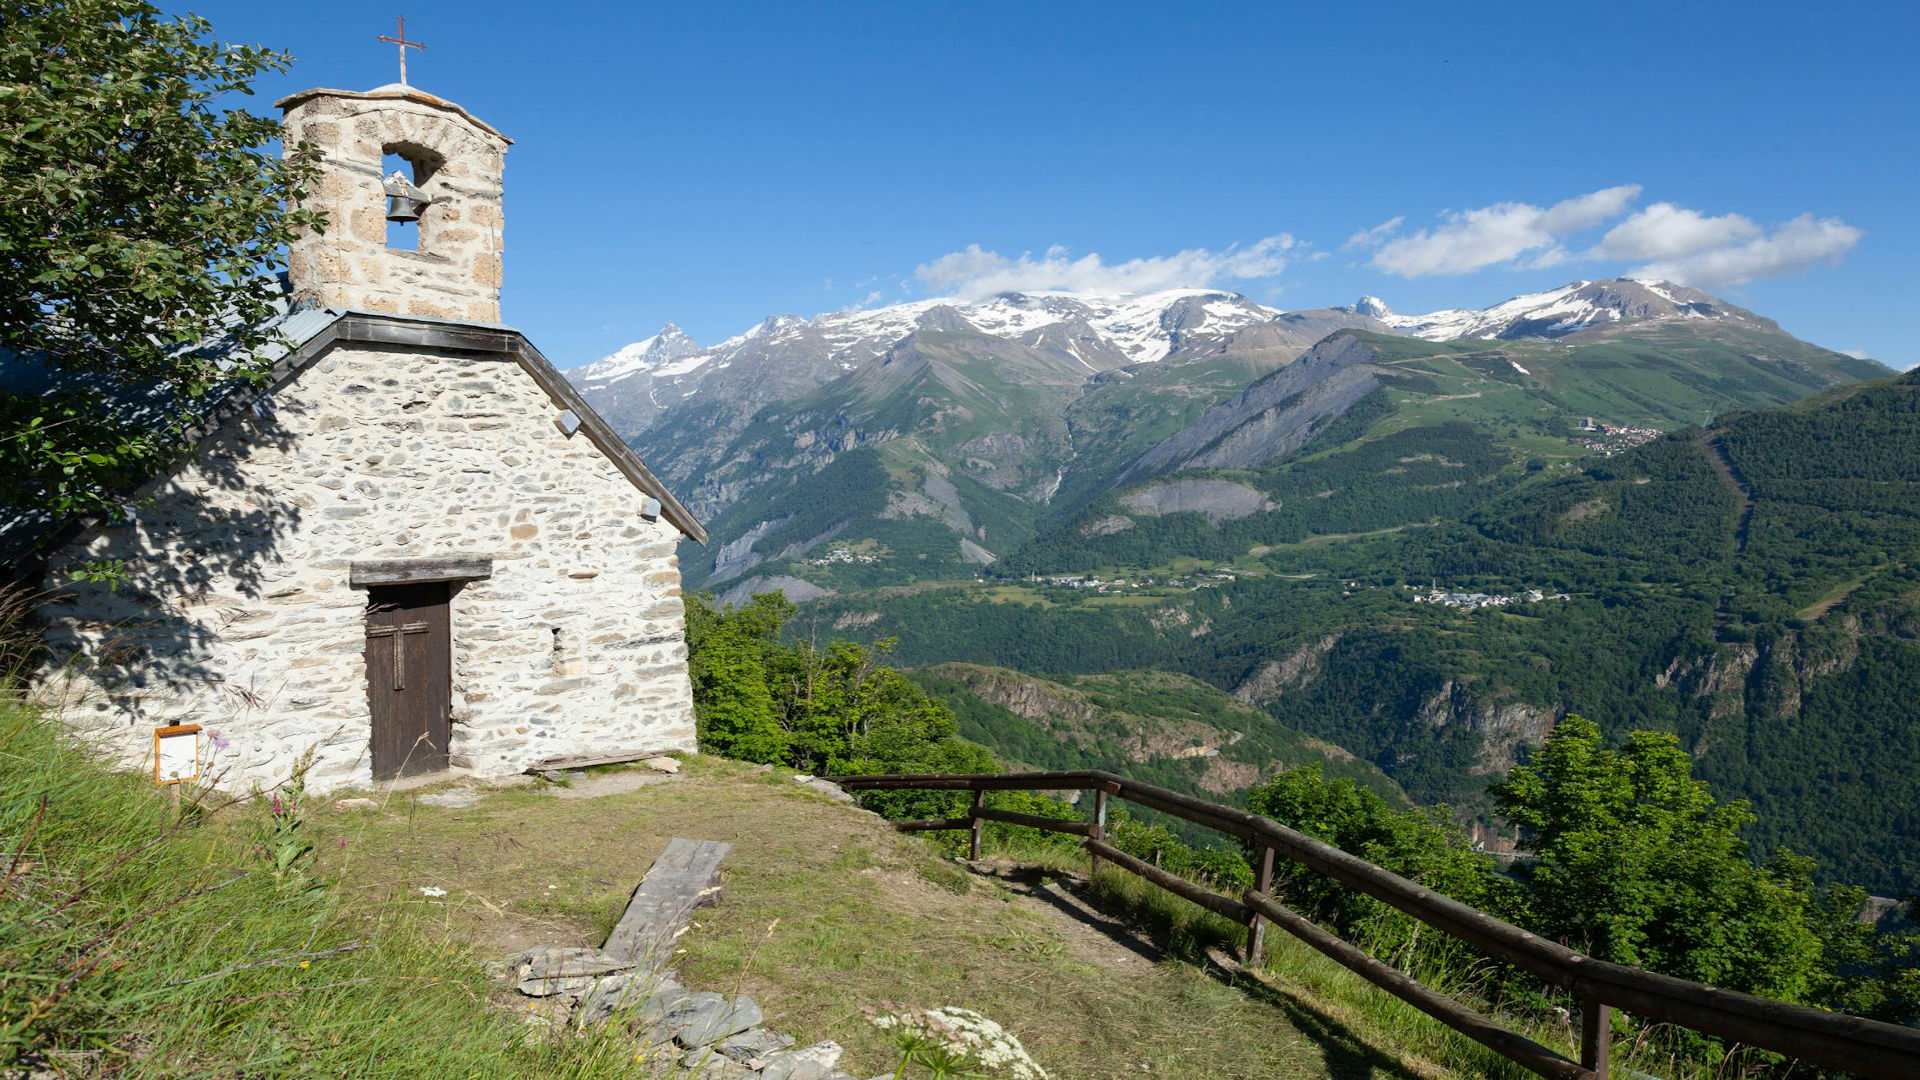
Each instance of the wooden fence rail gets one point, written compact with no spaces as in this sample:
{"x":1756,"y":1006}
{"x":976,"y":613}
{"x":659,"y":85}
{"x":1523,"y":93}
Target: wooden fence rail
{"x":1867,"y":1047}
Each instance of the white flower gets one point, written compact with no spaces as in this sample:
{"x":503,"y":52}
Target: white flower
{"x":432,"y":890}
{"x":963,"y":1033}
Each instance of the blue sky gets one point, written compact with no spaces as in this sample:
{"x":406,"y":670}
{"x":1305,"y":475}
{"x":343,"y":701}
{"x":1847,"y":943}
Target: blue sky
{"x":714,"y":163}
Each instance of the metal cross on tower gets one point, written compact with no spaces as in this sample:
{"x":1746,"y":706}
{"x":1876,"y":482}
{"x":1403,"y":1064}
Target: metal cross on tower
{"x":401,"y":40}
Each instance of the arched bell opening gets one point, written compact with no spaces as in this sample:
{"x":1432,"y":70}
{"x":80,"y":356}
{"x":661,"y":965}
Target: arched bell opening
{"x":405,"y":169}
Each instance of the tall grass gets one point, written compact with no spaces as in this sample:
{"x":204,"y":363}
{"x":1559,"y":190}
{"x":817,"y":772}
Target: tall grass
{"x":140,"y":938}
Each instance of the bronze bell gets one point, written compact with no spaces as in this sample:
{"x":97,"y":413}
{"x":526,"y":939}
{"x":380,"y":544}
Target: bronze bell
{"x":404,"y":201}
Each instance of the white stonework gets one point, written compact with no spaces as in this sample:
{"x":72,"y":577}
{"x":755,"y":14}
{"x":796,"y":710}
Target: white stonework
{"x":237,"y":612}
{"x":456,"y":158}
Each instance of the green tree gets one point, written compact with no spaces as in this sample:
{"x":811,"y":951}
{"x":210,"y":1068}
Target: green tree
{"x":1421,"y":845}
{"x":138,"y":216}
{"x":727,"y":653}
{"x":1636,"y":862}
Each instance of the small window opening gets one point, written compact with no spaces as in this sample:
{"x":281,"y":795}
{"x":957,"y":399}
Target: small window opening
{"x":563,"y":660}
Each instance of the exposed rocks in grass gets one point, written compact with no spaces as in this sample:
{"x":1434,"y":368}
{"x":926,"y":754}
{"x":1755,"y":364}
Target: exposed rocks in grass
{"x":825,"y":787}
{"x":625,"y":983}
{"x":707,"y":1034}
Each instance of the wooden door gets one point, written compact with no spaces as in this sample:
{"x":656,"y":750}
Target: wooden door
{"x":409,"y":677}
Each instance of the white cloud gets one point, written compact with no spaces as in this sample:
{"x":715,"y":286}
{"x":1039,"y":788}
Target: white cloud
{"x":1666,"y":231}
{"x":1857,"y":354}
{"x":1474,"y":239}
{"x":1792,"y":248}
{"x":872,"y":298}
{"x":1367,"y":238}
{"x":975,"y":273}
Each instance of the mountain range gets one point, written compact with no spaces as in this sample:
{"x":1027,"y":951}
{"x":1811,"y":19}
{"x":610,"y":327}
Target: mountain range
{"x":928,"y":439}
{"x":1408,"y":543}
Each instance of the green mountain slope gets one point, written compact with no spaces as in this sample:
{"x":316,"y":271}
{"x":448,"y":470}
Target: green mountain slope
{"x":917,"y":465}
{"x":1753,"y":587}
{"x":1370,"y":431}
{"x":1162,"y":727}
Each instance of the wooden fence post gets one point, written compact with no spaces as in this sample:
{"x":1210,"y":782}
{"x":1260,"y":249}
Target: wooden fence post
{"x":1596,"y":1036}
{"x":1257,"y":926}
{"x":1099,"y":826}
{"x":979,"y":804}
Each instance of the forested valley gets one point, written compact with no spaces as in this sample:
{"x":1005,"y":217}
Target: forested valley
{"x":1631,"y":857}
{"x":1751,"y":588}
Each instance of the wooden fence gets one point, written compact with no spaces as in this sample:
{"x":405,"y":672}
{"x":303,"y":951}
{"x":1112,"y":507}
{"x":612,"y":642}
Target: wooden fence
{"x":1867,"y":1047}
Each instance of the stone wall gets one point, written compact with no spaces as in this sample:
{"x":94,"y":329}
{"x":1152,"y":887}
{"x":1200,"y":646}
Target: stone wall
{"x":237,"y":612}
{"x":455,"y":272}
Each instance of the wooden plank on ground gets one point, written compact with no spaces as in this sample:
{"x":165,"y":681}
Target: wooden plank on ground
{"x":686,"y":876}
{"x":604,"y":757}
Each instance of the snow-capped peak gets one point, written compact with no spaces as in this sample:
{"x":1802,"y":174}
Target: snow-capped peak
{"x":659,"y":351}
{"x":1372,"y":306}
{"x":1096,"y":331}
{"x":1570,"y":308}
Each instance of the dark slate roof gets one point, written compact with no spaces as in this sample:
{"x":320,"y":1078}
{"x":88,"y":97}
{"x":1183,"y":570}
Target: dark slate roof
{"x":305,"y":332}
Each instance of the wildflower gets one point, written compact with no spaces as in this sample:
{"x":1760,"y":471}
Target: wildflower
{"x":954,"y":1041}
{"x":343,"y":841}
{"x":304,"y":964}
{"x":432,"y":890}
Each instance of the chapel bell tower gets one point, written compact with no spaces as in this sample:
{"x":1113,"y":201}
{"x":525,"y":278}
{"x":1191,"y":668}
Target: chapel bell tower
{"x":410,"y":185}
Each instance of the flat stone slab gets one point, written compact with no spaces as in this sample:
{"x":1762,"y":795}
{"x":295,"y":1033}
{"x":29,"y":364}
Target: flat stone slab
{"x":829,"y":789}
{"x":815,"y":1062}
{"x":753,"y":1043}
{"x":711,"y":1023}
{"x":457,"y":799}
{"x":677,"y":1016}
{"x":559,"y":969}
{"x":621,"y":992}
{"x":617,"y":783}
{"x":684,"y":878}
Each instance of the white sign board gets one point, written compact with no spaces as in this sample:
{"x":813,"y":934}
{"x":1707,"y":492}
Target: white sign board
{"x":176,"y":753}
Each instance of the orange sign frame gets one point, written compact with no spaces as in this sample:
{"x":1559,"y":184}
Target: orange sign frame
{"x":175,"y":731}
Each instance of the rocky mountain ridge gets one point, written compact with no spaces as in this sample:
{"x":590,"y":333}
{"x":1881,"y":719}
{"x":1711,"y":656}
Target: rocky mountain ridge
{"x":1096,"y":332}
{"x":935,"y":437}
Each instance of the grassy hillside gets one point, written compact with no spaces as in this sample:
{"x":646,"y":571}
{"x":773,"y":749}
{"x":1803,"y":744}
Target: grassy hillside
{"x":140,"y":941}
{"x":136,"y":942}
{"x":1160,"y":727}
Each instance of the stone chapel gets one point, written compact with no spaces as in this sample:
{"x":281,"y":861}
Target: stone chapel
{"x":416,"y":549}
